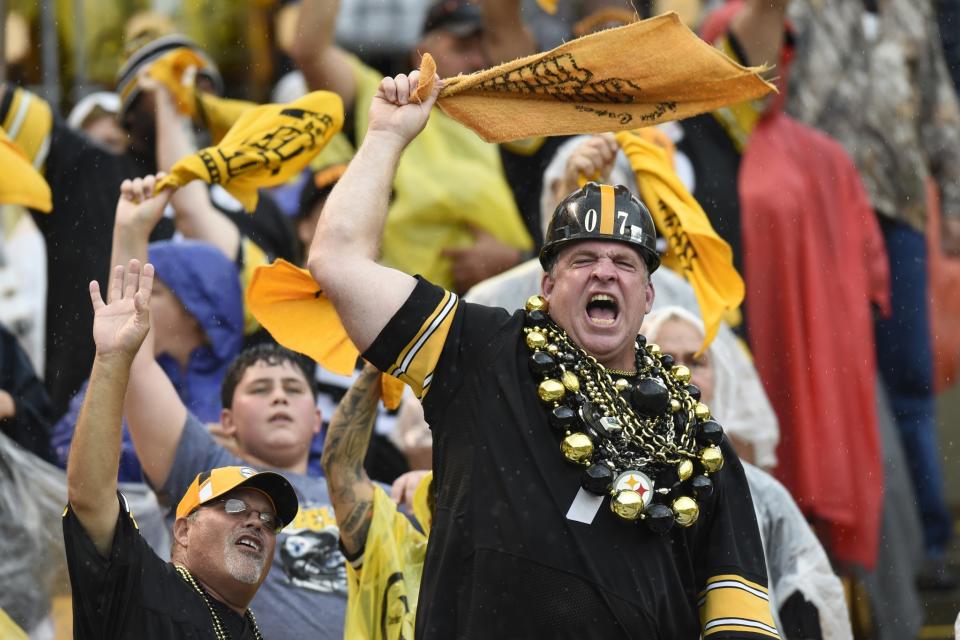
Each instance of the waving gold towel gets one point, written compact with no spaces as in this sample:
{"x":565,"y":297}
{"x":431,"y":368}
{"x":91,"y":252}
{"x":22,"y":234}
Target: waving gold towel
{"x":695,"y":250}
{"x":267,"y":146}
{"x":289,"y":304}
{"x":634,"y":76}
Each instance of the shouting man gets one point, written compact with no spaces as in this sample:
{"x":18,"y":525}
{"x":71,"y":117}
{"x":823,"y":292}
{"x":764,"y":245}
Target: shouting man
{"x":541,"y":418}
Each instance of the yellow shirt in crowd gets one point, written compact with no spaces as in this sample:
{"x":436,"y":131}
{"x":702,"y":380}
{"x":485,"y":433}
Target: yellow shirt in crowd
{"x":384,"y":583}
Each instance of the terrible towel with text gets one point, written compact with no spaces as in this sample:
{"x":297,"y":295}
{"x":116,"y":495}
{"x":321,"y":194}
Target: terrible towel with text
{"x":633,"y":76}
{"x":267,"y":146}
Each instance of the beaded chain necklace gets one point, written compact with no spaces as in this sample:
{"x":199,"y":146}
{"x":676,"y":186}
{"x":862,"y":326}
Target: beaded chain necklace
{"x":218,"y":629}
{"x":649,"y":444}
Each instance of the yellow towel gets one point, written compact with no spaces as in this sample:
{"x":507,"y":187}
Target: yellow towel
{"x":695,"y":249}
{"x":215,"y":113}
{"x":289,"y":304}
{"x":267,"y":146}
{"x":633,"y":76}
{"x":20,"y":183}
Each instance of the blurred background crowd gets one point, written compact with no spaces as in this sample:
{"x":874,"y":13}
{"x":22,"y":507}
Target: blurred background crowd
{"x":840,"y":197}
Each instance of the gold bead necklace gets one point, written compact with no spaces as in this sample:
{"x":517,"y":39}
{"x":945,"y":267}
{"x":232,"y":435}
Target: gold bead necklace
{"x":649,"y":444}
{"x":218,"y":629}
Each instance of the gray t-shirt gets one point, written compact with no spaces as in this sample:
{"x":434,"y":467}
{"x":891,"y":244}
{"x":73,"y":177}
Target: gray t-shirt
{"x":305,"y":595}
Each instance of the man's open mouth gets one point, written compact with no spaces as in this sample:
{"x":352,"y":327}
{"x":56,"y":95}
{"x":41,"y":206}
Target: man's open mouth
{"x":602,"y":309}
{"x":250,"y":542}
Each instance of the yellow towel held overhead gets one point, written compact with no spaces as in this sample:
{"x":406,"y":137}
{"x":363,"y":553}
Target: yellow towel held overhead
{"x":633,"y":76}
{"x":289,"y":303}
{"x":267,"y":146}
{"x":694,"y":248}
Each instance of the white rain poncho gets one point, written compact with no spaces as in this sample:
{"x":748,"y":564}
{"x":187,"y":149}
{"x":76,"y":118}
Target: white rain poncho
{"x":796,"y":561}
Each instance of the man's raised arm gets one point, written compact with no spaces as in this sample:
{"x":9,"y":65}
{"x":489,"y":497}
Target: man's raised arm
{"x":119,"y":328}
{"x":155,"y":413}
{"x":345,"y":248}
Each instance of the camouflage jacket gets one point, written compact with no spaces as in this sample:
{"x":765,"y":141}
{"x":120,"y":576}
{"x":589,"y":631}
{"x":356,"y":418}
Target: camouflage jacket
{"x":878,"y":83}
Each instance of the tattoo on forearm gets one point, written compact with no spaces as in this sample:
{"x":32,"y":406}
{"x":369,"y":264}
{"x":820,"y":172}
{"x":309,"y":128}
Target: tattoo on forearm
{"x":348,"y":437}
{"x":356,"y":526}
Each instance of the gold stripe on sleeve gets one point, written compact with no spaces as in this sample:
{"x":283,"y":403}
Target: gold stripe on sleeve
{"x":416,"y":362}
{"x":736,"y":628}
{"x":731,"y":601}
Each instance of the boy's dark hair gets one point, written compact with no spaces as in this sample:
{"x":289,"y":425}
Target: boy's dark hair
{"x":269,"y":353}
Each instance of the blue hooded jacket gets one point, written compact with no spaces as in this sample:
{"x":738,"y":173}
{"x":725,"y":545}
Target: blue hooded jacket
{"x":207,"y":284}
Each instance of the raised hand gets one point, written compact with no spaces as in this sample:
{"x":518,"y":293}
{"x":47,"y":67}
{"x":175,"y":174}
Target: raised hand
{"x":139,"y":205}
{"x":121,"y":324}
{"x":394,"y":110}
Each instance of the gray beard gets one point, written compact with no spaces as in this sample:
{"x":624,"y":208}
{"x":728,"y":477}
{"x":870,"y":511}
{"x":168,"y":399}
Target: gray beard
{"x":242,"y":567}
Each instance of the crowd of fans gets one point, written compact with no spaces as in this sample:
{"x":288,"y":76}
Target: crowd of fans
{"x":839,"y":196}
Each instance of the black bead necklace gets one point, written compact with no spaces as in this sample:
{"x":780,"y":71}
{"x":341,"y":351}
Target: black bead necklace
{"x":650,"y":445}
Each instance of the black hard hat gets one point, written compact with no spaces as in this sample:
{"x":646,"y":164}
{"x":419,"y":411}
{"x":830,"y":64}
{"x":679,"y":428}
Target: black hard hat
{"x":602,"y":212}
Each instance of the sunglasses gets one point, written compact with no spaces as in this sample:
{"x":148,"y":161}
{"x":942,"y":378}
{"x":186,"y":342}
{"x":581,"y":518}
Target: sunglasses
{"x":237,"y":507}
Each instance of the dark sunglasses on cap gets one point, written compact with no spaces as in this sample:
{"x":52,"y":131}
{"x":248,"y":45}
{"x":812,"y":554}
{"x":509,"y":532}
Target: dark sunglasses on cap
{"x":237,"y":507}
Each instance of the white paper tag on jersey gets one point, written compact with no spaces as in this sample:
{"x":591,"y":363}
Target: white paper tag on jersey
{"x":584,"y":507}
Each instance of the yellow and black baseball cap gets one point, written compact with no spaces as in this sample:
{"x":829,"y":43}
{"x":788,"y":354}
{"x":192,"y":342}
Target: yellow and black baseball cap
{"x":210,"y":485}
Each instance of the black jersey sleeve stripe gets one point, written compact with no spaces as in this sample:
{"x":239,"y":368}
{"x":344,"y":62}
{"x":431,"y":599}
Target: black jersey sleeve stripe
{"x":409,"y":346}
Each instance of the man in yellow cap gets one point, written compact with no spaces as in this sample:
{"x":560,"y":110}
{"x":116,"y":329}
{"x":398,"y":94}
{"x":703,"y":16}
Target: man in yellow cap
{"x":226,"y":525}
{"x":541,"y":418}
{"x":269,"y":419}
